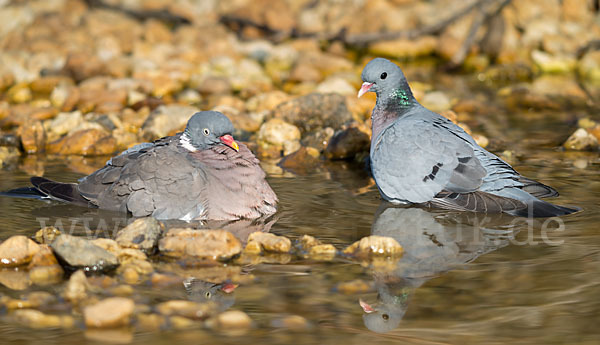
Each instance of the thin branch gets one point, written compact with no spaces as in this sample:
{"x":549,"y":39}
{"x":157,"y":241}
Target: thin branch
{"x":591,"y":45}
{"x":356,"y":39}
{"x":581,"y":51}
{"x":483,"y":15}
{"x":411,"y":34}
{"x":162,"y":15}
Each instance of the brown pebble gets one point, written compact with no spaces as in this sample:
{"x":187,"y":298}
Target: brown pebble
{"x":17,"y":251}
{"x":109,"y":313}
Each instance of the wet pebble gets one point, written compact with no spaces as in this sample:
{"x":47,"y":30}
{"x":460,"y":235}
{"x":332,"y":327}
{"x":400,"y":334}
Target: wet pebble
{"x":15,"y":278}
{"x":36,"y":319}
{"x":314,"y":111}
{"x":277,"y":136}
{"x":233,"y":320}
{"x":19,"y":93}
{"x":46,"y":235}
{"x":44,"y":268}
{"x":307,"y":241}
{"x":142,"y":234}
{"x":77,"y":287}
{"x":292,"y":322}
{"x":207,"y":244}
{"x":188,"y":309}
{"x":78,"y":252}
{"x":303,"y":160}
{"x":405,"y":48}
{"x":375,"y":246}
{"x":86,"y":142}
{"x":109,"y":313}
{"x":180,"y":322}
{"x":348,"y":143}
{"x":269,"y":242}
{"x":151,"y":321}
{"x":8,"y":155}
{"x":354,"y":287}
{"x":581,"y":140}
{"x":324,"y":252}
{"x":166,"y":119}
{"x":33,"y":136}
{"x":63,"y":123}
{"x":17,"y":251}
{"x":436,"y":101}
{"x":123,"y":335}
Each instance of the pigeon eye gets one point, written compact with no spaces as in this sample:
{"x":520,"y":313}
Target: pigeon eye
{"x":385,"y":317}
{"x":206,"y":131}
{"x":383,"y":75}
{"x":207,"y":294}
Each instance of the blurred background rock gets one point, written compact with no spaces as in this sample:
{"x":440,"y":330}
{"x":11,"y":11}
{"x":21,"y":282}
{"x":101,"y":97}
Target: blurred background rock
{"x":90,"y":77}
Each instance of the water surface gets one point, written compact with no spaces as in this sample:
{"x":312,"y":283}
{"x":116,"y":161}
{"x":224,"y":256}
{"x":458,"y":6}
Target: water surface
{"x":464,"y":279}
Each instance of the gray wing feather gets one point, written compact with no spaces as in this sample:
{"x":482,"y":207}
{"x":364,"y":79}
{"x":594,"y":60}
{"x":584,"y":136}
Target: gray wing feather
{"x":425,"y":161}
{"x":150,"y":180}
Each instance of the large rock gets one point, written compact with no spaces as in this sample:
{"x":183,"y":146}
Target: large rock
{"x":17,"y":251}
{"x":204,"y":244}
{"x":347,"y":143}
{"x":78,"y":252}
{"x":109,"y":313}
{"x":166,"y":119}
{"x":142,"y":234}
{"x":86,"y":142}
{"x":314,"y":111}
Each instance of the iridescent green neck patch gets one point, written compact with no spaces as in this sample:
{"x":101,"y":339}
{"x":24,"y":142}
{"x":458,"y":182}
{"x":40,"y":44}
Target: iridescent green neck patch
{"x":401,"y":96}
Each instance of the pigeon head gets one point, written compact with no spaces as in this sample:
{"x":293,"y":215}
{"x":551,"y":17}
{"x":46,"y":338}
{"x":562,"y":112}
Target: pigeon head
{"x":386,"y":79}
{"x":388,"y":312}
{"x":383,"y":319}
{"x":206,"y":129}
{"x":203,"y":292}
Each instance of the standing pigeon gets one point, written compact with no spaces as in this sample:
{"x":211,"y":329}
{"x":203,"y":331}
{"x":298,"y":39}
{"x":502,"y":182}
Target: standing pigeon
{"x":199,"y":174}
{"x":420,"y":157}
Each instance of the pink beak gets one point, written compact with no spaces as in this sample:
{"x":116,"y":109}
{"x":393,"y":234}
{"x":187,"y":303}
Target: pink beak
{"x":364,"y":88}
{"x":366,"y":307}
{"x":228,"y":287}
{"x":228,"y":140}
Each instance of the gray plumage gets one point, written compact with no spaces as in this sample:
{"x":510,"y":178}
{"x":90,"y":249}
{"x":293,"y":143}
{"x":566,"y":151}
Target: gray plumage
{"x":420,"y":157}
{"x":434,"y":242}
{"x":197,"y":174}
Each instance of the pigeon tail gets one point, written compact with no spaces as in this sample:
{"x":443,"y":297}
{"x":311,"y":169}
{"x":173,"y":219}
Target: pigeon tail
{"x":537,"y":189}
{"x":66,"y":192}
{"x":542,"y":209}
{"x":25,"y":192}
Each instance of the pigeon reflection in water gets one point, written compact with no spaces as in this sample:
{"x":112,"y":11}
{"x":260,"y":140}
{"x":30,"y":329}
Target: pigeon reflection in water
{"x":205,"y":292}
{"x":434,"y":242}
{"x":83,"y":221}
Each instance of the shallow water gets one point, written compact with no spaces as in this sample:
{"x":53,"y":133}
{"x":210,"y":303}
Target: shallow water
{"x":463,"y":279}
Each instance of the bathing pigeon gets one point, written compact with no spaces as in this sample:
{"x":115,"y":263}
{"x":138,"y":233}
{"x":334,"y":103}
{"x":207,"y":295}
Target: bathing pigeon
{"x":199,"y":174}
{"x":420,"y":157}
